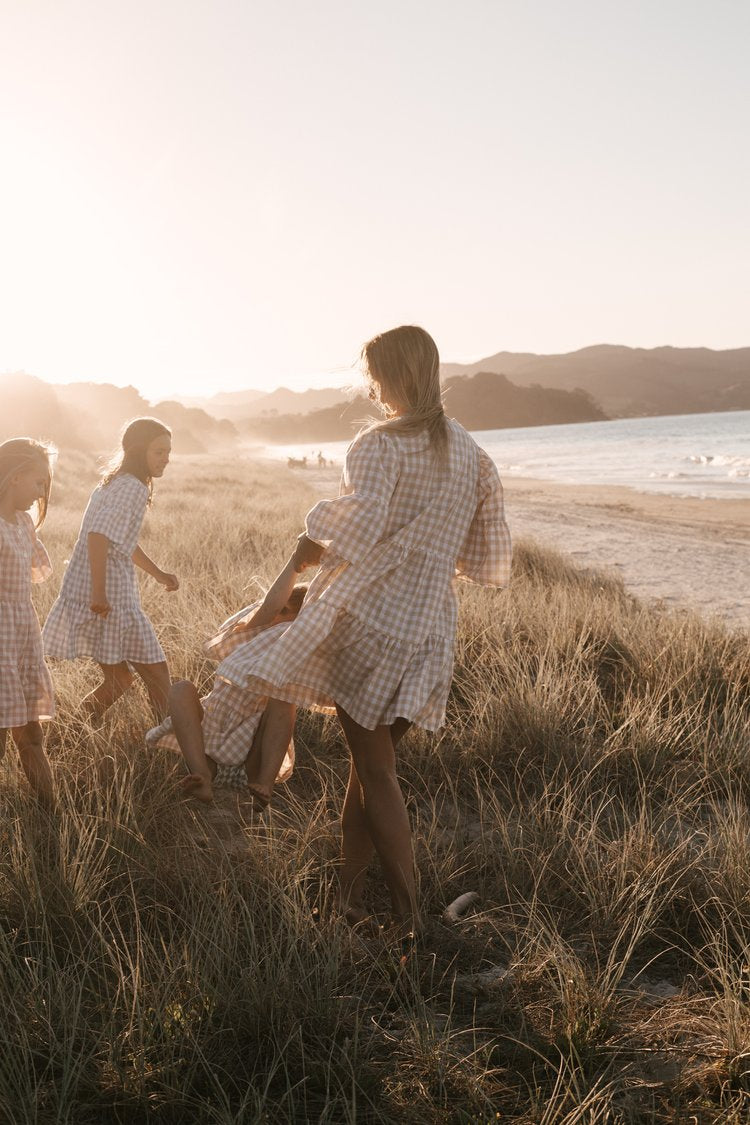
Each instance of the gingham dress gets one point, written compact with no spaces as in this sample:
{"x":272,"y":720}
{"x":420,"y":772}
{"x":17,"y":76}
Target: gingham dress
{"x":115,"y":510}
{"x":231,"y":715}
{"x":377,"y":629}
{"x":26,"y":692}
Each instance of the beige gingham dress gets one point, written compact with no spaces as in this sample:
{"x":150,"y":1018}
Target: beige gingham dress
{"x":231,"y":715}
{"x":377,"y":629}
{"x":26,"y":692}
{"x":115,"y":510}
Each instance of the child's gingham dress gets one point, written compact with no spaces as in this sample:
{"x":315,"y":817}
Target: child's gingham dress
{"x":115,"y":510}
{"x":231,"y":716}
{"x":377,"y":629}
{"x":26,"y":692}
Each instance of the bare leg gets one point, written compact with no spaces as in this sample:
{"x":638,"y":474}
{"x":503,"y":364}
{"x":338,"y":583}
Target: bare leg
{"x":117,"y":678}
{"x":357,"y":846}
{"x":187,"y":717}
{"x":384,"y":812}
{"x":30,"y":742}
{"x":269,"y":747}
{"x":156,"y":681}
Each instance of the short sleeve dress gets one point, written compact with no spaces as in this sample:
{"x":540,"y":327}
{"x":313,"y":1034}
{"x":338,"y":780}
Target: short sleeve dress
{"x":26,"y":692}
{"x":377,"y":630}
{"x":231,"y":716}
{"x":115,"y":510}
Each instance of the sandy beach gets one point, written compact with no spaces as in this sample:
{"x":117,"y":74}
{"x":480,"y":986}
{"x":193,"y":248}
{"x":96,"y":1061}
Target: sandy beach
{"x":681,"y":551}
{"x":684,"y":552}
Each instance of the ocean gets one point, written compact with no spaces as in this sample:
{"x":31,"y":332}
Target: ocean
{"x":702,"y":455}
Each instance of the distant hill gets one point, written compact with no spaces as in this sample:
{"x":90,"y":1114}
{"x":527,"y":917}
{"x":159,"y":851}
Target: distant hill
{"x":90,"y":416}
{"x":632,"y":382}
{"x":487,"y":401}
{"x":239,"y":405}
{"x":482,"y":402}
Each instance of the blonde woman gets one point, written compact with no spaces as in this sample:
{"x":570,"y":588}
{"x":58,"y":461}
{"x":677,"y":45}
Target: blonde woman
{"x":420,"y":503}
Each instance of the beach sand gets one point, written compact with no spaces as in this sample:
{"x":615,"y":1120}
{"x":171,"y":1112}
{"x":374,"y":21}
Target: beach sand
{"x":684,"y":552}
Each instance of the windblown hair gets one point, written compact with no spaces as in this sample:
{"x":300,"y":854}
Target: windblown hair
{"x":297,"y":597}
{"x":19,"y":454}
{"x":403,"y":367}
{"x":131,"y":458}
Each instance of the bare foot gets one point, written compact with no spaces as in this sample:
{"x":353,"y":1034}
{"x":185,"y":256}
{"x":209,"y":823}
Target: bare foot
{"x":356,"y":915}
{"x":261,"y":797}
{"x":199,"y":787}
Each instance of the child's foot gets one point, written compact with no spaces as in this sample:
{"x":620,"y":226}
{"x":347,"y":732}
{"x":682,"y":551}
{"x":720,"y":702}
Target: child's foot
{"x":162,"y":736}
{"x":199,"y":787}
{"x":261,"y":797}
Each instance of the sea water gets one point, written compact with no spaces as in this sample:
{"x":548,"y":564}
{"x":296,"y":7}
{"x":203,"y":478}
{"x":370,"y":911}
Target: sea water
{"x":703,"y":455}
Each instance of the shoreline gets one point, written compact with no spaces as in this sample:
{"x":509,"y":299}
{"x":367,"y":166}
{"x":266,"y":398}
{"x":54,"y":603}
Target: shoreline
{"x":683,"y":552}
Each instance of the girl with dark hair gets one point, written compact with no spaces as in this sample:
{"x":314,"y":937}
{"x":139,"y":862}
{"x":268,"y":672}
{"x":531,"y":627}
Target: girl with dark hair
{"x":98,"y":613}
{"x":26,"y":694}
{"x":230,"y":731}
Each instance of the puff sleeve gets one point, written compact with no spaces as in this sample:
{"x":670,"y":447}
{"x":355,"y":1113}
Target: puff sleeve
{"x":356,"y":521}
{"x":485,"y":555}
{"x":117,"y":511}
{"x":41,"y":567}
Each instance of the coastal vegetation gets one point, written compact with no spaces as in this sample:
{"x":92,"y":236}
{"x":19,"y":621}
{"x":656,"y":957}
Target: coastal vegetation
{"x":165,"y":963}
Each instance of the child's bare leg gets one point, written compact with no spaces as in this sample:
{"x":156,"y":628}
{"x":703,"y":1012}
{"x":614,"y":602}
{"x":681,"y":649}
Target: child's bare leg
{"x":384,"y":813}
{"x":275,"y":732}
{"x":156,"y":681}
{"x":117,"y":678}
{"x":30,"y":742}
{"x":187,"y":722}
{"x":357,"y":846}
{"x":3,"y":734}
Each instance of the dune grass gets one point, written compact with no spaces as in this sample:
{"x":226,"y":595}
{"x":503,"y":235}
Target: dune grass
{"x":163,"y":963}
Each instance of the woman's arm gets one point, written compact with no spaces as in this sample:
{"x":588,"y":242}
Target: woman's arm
{"x":98,"y":548}
{"x":141,"y":559}
{"x":276,"y":598}
{"x":307,"y":552}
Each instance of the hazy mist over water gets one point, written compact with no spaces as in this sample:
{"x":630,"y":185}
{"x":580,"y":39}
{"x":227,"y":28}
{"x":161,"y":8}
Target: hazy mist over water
{"x":703,"y":455}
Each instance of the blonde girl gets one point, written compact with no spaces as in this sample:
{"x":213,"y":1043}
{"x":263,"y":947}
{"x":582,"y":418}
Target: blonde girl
{"x":420,"y":503}
{"x":26,"y":694}
{"x":98,"y":613}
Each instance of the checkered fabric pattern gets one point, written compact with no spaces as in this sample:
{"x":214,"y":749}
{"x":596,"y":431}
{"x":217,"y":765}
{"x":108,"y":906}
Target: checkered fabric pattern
{"x":231,"y":718}
{"x":377,"y":629}
{"x":115,"y":510}
{"x":26,"y":692}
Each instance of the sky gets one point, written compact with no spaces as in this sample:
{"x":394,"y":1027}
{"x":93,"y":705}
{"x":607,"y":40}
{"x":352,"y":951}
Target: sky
{"x":205,"y":196}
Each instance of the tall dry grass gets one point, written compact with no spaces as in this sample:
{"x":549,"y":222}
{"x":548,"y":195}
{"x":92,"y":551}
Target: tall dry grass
{"x":161,"y":963}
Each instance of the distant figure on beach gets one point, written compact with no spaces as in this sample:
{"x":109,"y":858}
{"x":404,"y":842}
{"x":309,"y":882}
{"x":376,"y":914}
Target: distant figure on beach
{"x":229,"y":726}
{"x":98,"y":612}
{"x":321,"y":460}
{"x":297,"y":462}
{"x":420,"y":502}
{"x":26,"y":694}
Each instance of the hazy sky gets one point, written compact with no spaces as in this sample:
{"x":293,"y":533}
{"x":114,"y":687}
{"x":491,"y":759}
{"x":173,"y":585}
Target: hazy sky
{"x":215,"y":195}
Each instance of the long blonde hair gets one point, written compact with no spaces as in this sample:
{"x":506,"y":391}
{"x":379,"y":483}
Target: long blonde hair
{"x":131,"y":458}
{"x":19,"y":454}
{"x":403,"y":367}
